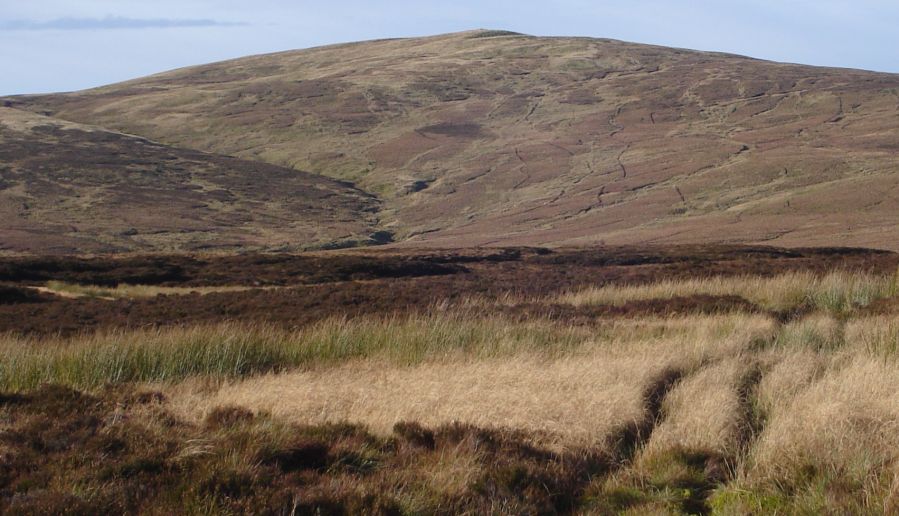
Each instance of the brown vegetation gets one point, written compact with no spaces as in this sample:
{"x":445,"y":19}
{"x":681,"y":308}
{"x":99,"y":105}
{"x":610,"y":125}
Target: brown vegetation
{"x":325,"y":285}
{"x":485,"y":138}
{"x":68,"y":188}
{"x":120,"y":452}
{"x":622,"y":390}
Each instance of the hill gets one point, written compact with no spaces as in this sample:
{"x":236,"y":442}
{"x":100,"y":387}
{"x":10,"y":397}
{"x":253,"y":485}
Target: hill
{"x":495,"y":138}
{"x":67,"y":187}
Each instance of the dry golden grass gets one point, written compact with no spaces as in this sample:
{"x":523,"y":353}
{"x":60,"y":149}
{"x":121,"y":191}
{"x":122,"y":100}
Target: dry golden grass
{"x":824,"y":438}
{"x":787,"y":372}
{"x":578,"y":397}
{"x":831,"y":421}
{"x":834,"y":292}
{"x":816,"y":434}
{"x":877,"y":336}
{"x":852,"y":411}
{"x":703,"y":411}
{"x":124,"y":291}
{"x":572,"y":398}
{"x":763,"y":417}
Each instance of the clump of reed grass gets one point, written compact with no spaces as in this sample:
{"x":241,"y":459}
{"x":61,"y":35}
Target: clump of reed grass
{"x":234,"y":350}
{"x":818,"y":332}
{"x":876,"y":336}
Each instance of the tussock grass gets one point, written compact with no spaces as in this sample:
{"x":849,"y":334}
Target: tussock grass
{"x":788,"y":372}
{"x":825,"y":438}
{"x":703,"y":411}
{"x":877,"y":336}
{"x":831,"y":423}
{"x":816,"y":434}
{"x":837,"y":292}
{"x":231,"y":351}
{"x":818,"y":331}
{"x":579,"y":391}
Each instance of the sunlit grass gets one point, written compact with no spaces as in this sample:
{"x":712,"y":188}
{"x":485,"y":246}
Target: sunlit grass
{"x":125,"y":291}
{"x":234,"y":350}
{"x":768,"y":413}
{"x":230,"y":350}
{"x":838,"y":292}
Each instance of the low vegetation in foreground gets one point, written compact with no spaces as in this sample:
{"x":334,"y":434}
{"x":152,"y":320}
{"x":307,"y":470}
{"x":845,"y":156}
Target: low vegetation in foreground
{"x":782,"y":403}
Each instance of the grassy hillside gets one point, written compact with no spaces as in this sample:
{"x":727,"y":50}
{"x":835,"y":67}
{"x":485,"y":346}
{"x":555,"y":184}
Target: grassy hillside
{"x":67,"y":187}
{"x":494,"y":138}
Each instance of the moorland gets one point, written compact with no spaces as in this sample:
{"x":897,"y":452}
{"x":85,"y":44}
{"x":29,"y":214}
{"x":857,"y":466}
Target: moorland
{"x":476,"y":273}
{"x":689,"y":379}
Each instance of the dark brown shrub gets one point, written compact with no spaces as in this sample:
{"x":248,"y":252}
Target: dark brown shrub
{"x":227,"y":416}
{"x":414,"y":434}
{"x":308,"y":455}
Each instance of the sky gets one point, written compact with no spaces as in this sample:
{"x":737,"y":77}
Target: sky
{"x":66,"y":45}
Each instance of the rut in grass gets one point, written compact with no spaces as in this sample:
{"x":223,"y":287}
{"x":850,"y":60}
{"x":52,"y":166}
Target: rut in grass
{"x":632,"y":437}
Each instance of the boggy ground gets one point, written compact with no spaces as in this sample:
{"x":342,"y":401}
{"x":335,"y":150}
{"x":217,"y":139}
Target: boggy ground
{"x":725,"y":380}
{"x":318,"y":286}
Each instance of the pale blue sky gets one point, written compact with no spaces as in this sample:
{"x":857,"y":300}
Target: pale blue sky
{"x":62,"y":45}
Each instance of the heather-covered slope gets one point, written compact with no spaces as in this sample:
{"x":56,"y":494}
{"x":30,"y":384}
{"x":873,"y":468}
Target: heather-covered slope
{"x":67,"y":187}
{"x":488,"y":137}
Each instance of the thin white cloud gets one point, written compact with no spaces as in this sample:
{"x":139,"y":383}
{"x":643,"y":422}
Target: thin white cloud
{"x":111,"y":22}
{"x":41,"y":57}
